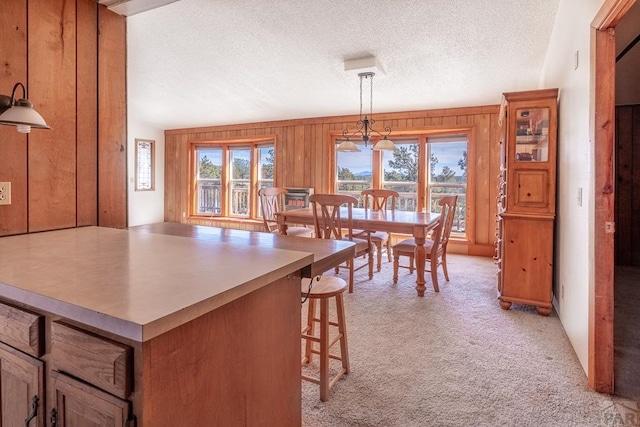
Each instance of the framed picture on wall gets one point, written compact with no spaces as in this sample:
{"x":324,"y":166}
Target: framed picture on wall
{"x":145,"y":165}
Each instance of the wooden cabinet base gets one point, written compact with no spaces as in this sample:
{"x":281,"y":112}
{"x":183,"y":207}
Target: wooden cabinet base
{"x":235,"y":366}
{"x":527,"y":270}
{"x":542,"y":309}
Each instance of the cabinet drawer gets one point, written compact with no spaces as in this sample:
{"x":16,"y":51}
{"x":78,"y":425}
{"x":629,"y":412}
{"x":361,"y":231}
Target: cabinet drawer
{"x":104,"y":363}
{"x":22,"y":330}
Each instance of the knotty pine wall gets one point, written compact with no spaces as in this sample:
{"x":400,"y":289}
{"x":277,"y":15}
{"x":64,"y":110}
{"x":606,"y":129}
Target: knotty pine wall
{"x":303,"y":159}
{"x":71,"y":56}
{"x":627,"y":196}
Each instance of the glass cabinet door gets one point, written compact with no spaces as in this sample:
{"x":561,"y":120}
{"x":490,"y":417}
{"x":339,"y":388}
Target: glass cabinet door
{"x":532,"y":135}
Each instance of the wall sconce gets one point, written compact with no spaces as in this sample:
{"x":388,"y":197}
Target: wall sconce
{"x":20,"y":112}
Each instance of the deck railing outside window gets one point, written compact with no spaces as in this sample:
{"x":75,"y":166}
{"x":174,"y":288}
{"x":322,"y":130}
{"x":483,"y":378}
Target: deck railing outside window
{"x":408,"y":199}
{"x":209,"y":197}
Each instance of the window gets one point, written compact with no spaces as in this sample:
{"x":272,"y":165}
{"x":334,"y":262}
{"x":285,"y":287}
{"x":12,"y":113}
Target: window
{"x":145,"y":165}
{"x":266,"y":160}
{"x":448,"y":175}
{"x":354,"y":172}
{"x":431,"y":166}
{"x":400,"y":173}
{"x":240,"y":180}
{"x":228,"y":175}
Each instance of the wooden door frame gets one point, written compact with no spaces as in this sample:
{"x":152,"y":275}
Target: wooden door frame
{"x":601,"y":300}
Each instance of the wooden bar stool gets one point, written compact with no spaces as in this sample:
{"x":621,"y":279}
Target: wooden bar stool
{"x":322,"y":290}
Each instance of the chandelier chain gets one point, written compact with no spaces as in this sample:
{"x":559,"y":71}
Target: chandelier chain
{"x":371,"y":98}
{"x":360,"y":97}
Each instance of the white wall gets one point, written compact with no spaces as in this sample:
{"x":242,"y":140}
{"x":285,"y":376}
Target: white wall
{"x":145,"y":207}
{"x":574,"y":238}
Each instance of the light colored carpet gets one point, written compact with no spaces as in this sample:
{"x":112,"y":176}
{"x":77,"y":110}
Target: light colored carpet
{"x":455,"y":359}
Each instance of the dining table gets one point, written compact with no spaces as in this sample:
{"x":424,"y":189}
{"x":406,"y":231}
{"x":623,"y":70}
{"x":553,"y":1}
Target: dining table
{"x":417,"y":224}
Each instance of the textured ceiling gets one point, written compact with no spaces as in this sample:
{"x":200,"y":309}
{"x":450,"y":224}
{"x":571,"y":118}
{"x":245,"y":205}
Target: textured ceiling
{"x":211,"y":62}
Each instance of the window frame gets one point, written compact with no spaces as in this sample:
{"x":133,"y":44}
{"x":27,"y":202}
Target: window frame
{"x":422,"y":136}
{"x":253,"y":144}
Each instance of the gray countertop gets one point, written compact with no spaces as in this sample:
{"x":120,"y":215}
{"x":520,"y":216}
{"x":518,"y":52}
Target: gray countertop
{"x":135,"y":285}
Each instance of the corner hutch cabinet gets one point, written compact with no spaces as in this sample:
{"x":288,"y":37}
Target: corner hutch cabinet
{"x":527,"y":199}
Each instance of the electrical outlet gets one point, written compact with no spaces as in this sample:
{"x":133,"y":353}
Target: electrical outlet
{"x":5,"y":193}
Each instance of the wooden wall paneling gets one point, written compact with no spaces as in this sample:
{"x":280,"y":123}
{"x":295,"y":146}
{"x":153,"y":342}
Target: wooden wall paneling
{"x":299,"y":147}
{"x":112,"y":120}
{"x":52,"y":89}
{"x":13,"y":145}
{"x":624,"y":184}
{"x":185,"y":195}
{"x":325,"y":160}
{"x":171,"y":170}
{"x":310,"y":141}
{"x":87,"y":113}
{"x":479,"y":155}
{"x":308,"y":148}
{"x":635,"y":196}
{"x":417,"y":122}
{"x":450,"y":120}
{"x":290,"y":156}
{"x":280,"y":157}
{"x":494,"y":170}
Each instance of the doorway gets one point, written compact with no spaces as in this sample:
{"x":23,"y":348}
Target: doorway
{"x":627,"y":208}
{"x":602,"y":301}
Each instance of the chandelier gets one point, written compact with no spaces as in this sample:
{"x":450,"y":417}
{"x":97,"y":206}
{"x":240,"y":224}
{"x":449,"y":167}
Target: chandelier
{"x":365,"y":125}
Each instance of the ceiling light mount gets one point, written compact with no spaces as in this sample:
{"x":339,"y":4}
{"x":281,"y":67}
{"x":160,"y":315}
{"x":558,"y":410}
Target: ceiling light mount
{"x":20,"y":112}
{"x":365,"y":125}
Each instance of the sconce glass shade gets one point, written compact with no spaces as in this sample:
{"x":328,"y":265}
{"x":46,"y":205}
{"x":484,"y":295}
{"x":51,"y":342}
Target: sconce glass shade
{"x":385,"y":144}
{"x":347,"y":146}
{"x":23,"y":117}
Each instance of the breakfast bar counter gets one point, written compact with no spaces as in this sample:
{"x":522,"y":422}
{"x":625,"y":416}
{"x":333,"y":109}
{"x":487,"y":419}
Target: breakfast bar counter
{"x":163,"y":329}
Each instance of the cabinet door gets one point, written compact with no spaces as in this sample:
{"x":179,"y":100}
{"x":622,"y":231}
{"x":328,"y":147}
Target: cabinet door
{"x":21,"y":389}
{"x":80,"y":405}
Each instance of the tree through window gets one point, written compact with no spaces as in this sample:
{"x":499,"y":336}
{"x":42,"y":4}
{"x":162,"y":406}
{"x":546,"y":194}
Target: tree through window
{"x":226,"y":183}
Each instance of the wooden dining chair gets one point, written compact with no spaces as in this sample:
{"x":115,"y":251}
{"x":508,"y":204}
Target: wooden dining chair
{"x":380,"y":200}
{"x":272,"y":202}
{"x":330,"y":224}
{"x":435,"y":247}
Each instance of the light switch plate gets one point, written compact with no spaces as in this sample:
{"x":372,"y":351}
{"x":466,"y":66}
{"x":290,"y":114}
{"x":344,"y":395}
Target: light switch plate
{"x":5,"y":193}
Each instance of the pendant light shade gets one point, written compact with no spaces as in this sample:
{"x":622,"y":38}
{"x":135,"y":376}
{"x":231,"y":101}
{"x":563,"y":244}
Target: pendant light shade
{"x":384,"y":144}
{"x":347,"y":146}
